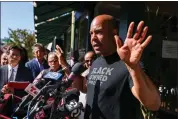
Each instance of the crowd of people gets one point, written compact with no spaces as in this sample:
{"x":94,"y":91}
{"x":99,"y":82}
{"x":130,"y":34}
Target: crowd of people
{"x":111,"y":81}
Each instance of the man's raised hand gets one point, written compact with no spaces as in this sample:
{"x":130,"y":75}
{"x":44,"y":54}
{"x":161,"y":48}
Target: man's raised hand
{"x":131,"y":51}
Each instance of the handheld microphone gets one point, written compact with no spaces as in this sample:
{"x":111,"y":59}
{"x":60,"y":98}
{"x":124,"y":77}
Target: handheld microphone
{"x":77,"y":69}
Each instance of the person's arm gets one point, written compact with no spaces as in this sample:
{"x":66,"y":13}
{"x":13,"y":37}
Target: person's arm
{"x":80,"y":83}
{"x":131,"y":52}
{"x":62,"y":60}
{"x":67,"y":68}
{"x":144,"y":89}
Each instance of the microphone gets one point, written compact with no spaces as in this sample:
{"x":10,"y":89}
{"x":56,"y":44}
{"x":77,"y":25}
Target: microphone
{"x":42,"y":91}
{"x":53,"y":76}
{"x":36,"y":97}
{"x":70,"y":97}
{"x":29,"y":97}
{"x":77,"y":69}
{"x":73,"y":108}
{"x":77,"y":111}
{"x":70,"y":92}
{"x":50,"y":76}
{"x":39,"y":103}
{"x":40,"y":83}
{"x":39,"y":112}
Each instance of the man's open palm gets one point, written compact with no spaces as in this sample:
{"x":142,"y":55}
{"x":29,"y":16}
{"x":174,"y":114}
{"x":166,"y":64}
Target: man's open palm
{"x":131,"y":51}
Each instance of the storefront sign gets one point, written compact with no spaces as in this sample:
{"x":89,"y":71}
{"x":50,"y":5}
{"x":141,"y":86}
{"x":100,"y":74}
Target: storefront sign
{"x":170,"y":49}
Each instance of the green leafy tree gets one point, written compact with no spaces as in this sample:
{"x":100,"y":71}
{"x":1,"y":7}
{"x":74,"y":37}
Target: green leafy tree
{"x":22,"y":38}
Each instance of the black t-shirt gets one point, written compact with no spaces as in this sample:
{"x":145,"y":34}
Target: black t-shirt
{"x":109,"y":90}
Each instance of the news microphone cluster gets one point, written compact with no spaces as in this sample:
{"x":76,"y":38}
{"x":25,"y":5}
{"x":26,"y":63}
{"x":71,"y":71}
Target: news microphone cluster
{"x":57,"y":91}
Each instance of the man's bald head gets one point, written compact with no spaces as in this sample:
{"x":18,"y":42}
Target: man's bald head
{"x":106,"y":19}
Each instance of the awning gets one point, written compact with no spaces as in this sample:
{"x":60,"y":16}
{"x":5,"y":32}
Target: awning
{"x":54,"y":18}
{"x":48,"y":30}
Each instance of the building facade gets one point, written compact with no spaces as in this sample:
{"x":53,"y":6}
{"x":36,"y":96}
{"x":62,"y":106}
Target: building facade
{"x":68,"y":23}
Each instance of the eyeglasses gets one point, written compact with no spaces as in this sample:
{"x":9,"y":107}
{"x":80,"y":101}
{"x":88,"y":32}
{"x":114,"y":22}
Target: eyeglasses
{"x":53,"y":61}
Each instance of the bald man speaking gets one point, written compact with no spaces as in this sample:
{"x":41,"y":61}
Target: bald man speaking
{"x":117,"y":82}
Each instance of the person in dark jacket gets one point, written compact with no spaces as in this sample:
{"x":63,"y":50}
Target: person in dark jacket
{"x":37,"y":64}
{"x":14,"y":71}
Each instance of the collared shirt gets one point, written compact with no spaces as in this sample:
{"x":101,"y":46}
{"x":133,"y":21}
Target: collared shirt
{"x":40,"y":65}
{"x":10,"y":71}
